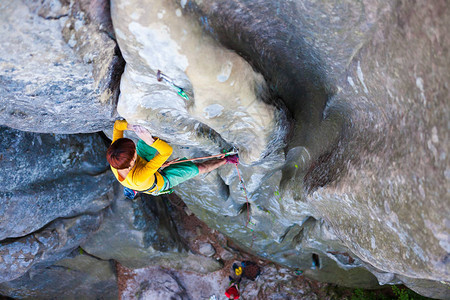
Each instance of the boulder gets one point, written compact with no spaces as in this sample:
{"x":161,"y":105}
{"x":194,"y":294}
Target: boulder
{"x":229,"y":103}
{"x":339,"y":110}
{"x":50,"y":244}
{"x":142,"y":233}
{"x":160,"y":284}
{"x":46,"y":85}
{"x":136,"y":233}
{"x":78,"y":276}
{"x":46,"y":177}
{"x":366,"y":147}
{"x":429,"y":288}
{"x":206,"y":249}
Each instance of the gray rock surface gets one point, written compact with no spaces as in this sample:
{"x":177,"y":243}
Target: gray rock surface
{"x":50,"y":244}
{"x":47,"y":176}
{"x":226,"y":95}
{"x":365,"y":169}
{"x":206,"y":249}
{"x":79,"y":276}
{"x":45,"y":85}
{"x":339,"y":109}
{"x":136,"y":233}
{"x":274,"y":283}
{"x":142,"y":233}
{"x":160,"y":284}
{"x":428,"y":288}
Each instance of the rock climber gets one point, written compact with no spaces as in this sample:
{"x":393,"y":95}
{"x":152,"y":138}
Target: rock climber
{"x":247,"y":269}
{"x":136,"y":167}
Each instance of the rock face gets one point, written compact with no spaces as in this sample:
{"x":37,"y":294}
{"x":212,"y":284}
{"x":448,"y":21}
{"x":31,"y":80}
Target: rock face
{"x":54,"y":187}
{"x":46,"y":177}
{"x":338,"y":108}
{"x":274,"y":283}
{"x":92,"y":279}
{"x":135,"y":233}
{"x":46,"y":86}
{"x":226,"y":96}
{"x":141,"y":233}
{"x":160,"y":284}
{"x":48,"y":245}
{"x":365,"y":166}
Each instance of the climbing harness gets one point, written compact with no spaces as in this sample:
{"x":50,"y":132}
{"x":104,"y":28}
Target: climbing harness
{"x":159,"y":193}
{"x":160,"y":76}
{"x":131,"y":194}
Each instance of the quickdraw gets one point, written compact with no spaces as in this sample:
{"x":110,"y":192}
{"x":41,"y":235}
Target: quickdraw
{"x":160,"y":76}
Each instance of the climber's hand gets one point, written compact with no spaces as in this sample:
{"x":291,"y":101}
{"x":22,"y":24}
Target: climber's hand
{"x":131,"y":127}
{"x":143,"y":134}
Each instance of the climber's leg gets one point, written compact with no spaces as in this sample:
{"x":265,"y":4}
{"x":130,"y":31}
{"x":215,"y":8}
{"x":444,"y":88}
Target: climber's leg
{"x":179,"y":173}
{"x":209,"y":165}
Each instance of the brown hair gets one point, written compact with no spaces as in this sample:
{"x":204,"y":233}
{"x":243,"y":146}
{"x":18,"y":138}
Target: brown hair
{"x":121,"y":153}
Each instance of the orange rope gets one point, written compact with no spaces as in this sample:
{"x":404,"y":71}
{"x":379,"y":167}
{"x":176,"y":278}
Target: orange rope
{"x":175,"y":161}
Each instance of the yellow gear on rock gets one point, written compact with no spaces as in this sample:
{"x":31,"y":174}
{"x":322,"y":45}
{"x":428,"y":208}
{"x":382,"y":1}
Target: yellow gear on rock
{"x":238,"y":271}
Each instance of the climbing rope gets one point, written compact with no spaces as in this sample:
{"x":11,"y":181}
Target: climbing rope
{"x":222,"y":155}
{"x":160,"y":76}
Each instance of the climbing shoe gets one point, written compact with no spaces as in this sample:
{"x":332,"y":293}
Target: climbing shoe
{"x":232,"y":159}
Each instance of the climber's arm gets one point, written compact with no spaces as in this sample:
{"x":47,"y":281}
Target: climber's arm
{"x":164,"y":152}
{"x":119,"y":127}
{"x":144,"y":134}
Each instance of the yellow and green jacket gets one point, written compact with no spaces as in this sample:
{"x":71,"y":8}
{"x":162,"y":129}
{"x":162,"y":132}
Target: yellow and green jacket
{"x":143,"y":174}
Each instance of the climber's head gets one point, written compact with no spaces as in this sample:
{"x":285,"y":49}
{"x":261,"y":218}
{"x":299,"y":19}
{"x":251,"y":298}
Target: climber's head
{"x":121,"y":154}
